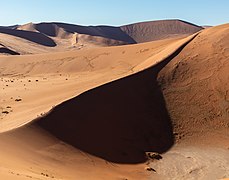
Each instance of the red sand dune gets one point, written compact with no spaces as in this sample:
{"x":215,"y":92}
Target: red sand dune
{"x":31,"y":36}
{"x":61,"y":37}
{"x":197,"y":80}
{"x":111,"y":105}
{"x":155,"y":30}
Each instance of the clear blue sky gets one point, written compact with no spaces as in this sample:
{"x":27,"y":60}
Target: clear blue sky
{"x":113,"y":12}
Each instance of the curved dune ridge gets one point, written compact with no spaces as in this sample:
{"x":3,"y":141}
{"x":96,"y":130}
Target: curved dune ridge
{"x":197,"y":80}
{"x":79,"y":69}
{"x":147,"y":98}
{"x":44,"y":145}
{"x":53,"y":37}
{"x":141,"y":124}
{"x":195,"y":88}
{"x":54,"y":29}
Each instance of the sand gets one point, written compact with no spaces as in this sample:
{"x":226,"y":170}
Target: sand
{"x":194,"y":85}
{"x":59,"y":37}
{"x":93,"y":113}
{"x":162,"y":29}
{"x":53,"y":80}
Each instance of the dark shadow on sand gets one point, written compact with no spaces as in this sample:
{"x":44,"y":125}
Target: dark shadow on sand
{"x":8,"y":51}
{"x":35,"y":37}
{"x":118,"y":121}
{"x":109,"y":32}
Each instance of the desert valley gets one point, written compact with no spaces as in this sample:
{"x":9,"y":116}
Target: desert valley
{"x":147,"y":100}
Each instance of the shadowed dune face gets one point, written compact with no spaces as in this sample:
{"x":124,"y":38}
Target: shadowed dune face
{"x":110,"y":32}
{"x":47,"y":29}
{"x":118,"y":121}
{"x":58,"y":29}
{"x":8,"y":51}
{"x":30,"y":36}
{"x":84,"y":70}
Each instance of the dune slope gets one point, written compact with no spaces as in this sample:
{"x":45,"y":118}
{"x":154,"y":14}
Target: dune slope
{"x":155,"y":30}
{"x":45,"y":148}
{"x":129,"y":114}
{"x":118,"y":122}
{"x":5,"y":50}
{"x":31,"y":36}
{"x":46,"y":77}
{"x":197,"y":80}
{"x":195,"y":87}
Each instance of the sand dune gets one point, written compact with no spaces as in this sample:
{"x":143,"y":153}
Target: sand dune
{"x":81,"y":35}
{"x":22,"y":46}
{"x":110,"y":105}
{"x":101,"y":71}
{"x":89,"y":41}
{"x":155,"y":30}
{"x":54,"y":29}
{"x":195,"y":86}
{"x":53,"y":37}
{"x":31,"y":36}
{"x":139,"y":32}
{"x":197,"y":80}
{"x":77,"y":71}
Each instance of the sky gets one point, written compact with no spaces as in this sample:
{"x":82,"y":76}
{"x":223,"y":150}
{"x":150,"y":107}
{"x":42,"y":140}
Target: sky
{"x":113,"y":12}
